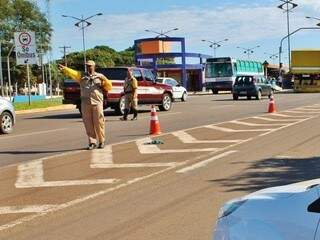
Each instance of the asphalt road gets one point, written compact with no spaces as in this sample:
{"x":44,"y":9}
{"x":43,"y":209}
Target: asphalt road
{"x":215,"y":149}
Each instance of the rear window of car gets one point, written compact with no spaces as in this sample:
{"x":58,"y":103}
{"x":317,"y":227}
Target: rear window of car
{"x":244,"y":80}
{"x":114,"y":73}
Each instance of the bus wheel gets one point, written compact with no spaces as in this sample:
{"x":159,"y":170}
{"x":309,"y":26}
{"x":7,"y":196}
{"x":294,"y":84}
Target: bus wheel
{"x":235,"y":97}
{"x":214,"y":91}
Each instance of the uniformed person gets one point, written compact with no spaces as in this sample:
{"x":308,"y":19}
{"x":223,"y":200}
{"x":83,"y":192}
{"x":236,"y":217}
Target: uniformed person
{"x":92,"y":85}
{"x":130,"y":89}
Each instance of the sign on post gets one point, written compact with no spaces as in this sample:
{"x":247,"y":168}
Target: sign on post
{"x":26,"y":49}
{"x":26,"y":52}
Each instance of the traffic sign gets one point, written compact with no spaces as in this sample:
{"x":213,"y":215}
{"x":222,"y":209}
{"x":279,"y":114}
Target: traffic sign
{"x":26,"y":49}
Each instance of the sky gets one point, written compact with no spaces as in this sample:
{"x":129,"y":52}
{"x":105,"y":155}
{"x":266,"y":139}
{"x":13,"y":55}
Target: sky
{"x":246,"y":23}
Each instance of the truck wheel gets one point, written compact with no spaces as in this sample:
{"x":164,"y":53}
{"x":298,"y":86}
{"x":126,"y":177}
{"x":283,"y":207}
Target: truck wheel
{"x":120,"y":107}
{"x":6,"y":123}
{"x":166,"y":102}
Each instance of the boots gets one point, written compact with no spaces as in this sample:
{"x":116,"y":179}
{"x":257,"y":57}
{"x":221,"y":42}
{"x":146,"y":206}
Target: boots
{"x":125,"y":115}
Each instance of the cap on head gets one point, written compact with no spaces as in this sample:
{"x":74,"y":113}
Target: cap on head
{"x":90,"y":63}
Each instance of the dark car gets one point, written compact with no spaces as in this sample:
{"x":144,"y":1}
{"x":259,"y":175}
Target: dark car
{"x":251,"y":86}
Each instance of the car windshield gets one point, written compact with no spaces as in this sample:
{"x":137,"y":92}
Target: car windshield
{"x":114,"y":73}
{"x":159,"y":80}
{"x":219,"y":70}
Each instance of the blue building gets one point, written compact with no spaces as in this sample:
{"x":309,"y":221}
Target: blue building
{"x":167,"y":56}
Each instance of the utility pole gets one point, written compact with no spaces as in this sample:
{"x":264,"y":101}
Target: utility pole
{"x":65,"y":54}
{"x":287,"y":6}
{"x":1,"y":75}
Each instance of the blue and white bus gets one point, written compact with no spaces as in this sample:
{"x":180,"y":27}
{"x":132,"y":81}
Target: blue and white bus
{"x":221,"y":73}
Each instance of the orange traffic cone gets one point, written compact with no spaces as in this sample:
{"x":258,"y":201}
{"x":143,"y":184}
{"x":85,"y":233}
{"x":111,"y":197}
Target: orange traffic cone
{"x":154,"y":122}
{"x":272,"y":105}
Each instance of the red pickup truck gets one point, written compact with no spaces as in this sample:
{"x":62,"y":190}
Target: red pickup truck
{"x":149,"y":91}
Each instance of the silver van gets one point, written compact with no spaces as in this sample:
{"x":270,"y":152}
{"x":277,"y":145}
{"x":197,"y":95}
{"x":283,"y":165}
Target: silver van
{"x":7,"y":116}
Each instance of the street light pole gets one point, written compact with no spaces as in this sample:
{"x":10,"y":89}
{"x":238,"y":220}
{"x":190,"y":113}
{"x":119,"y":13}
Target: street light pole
{"x":162,"y":33}
{"x":287,"y":6}
{"x":1,"y":75}
{"x":82,"y":24}
{"x":249,"y":51}
{"x":215,"y":45}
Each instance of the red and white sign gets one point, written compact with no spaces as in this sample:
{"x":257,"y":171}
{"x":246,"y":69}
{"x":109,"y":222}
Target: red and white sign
{"x":26,"y":49}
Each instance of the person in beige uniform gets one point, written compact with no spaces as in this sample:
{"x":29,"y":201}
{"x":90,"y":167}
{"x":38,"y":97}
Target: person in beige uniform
{"x":92,"y":85}
{"x":130,"y":89}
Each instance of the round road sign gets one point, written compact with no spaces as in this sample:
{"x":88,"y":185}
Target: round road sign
{"x":24,"y":38}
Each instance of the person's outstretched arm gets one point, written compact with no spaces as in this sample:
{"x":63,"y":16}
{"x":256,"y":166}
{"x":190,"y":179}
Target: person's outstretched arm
{"x":73,"y":74}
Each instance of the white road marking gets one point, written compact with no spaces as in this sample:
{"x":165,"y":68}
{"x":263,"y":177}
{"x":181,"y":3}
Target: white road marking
{"x":224,"y":129}
{"x":154,"y":149}
{"x":30,"y":175}
{"x":276,"y":120}
{"x":304,"y":112}
{"x":205,"y":162}
{"x":34,"y":133}
{"x":26,"y":209}
{"x":135,"y":165}
{"x":288,"y":116}
{"x":257,"y":124}
{"x":187,"y":138}
{"x":102,"y":156}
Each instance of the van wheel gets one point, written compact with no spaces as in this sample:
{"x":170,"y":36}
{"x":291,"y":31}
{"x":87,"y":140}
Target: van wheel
{"x":259,"y":95}
{"x":166,"y":102}
{"x":120,"y":107}
{"x":235,"y":97}
{"x":6,"y":123}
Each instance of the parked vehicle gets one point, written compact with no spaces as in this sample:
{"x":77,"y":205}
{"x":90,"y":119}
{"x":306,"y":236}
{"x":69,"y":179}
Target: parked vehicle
{"x":251,"y":86}
{"x":179,"y":92}
{"x":7,"y":116}
{"x":290,"y":212}
{"x":221,"y":72}
{"x":149,"y":91}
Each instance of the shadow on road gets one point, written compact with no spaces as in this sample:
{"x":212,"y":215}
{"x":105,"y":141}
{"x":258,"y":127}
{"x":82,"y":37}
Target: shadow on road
{"x":38,"y":152}
{"x":271,"y":173}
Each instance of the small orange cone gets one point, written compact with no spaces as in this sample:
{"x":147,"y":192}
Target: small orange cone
{"x":272,"y":105}
{"x":154,"y":122}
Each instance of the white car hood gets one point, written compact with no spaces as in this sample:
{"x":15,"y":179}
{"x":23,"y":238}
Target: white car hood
{"x":283,"y":191}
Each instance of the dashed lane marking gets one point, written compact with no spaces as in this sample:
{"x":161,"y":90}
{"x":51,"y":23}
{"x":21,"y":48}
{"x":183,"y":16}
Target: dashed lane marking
{"x":34,"y":133}
{"x":205,"y":162}
{"x":276,"y":120}
{"x":257,"y":124}
{"x":187,"y":138}
{"x":26,"y":209}
{"x":287,"y":116}
{"x":224,"y":129}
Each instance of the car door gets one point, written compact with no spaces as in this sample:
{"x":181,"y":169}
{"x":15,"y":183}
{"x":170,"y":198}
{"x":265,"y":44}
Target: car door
{"x":142,"y":95}
{"x":153,"y":91}
{"x":177,"y":91}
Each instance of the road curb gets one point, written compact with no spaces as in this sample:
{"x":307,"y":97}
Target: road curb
{"x":48,"y":109}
